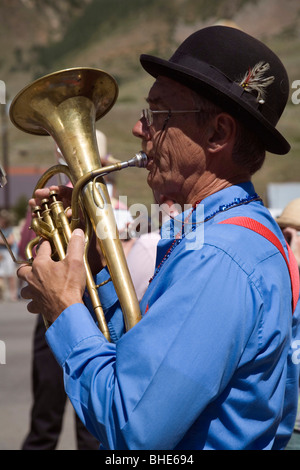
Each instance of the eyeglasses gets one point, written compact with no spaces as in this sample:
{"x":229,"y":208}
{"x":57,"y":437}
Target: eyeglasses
{"x":148,"y":114}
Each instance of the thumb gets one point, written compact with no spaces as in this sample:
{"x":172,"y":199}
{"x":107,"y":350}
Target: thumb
{"x":76,"y":244}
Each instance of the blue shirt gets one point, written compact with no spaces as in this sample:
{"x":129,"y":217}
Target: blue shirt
{"x":210,"y":364}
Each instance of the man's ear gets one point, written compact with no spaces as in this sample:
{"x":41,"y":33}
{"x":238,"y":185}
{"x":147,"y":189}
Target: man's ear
{"x":221,"y":132}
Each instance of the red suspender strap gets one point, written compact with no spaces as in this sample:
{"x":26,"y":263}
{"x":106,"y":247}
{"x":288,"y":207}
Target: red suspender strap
{"x":265,"y":232}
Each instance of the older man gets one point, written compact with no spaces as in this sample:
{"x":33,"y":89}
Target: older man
{"x":210,"y":365}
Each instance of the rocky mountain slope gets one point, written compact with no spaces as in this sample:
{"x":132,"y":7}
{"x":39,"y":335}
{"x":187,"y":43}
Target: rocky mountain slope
{"x":41,"y":36}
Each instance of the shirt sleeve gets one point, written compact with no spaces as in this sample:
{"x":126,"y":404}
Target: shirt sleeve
{"x":145,"y":391}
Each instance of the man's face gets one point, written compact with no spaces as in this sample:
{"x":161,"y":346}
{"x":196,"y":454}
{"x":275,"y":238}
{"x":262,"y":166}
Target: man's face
{"x":173,"y":142}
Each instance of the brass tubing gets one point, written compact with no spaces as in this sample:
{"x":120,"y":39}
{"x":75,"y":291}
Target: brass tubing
{"x":66,"y":104}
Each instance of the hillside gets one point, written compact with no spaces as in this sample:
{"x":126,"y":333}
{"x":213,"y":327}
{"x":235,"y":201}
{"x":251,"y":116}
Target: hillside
{"x":41,"y":36}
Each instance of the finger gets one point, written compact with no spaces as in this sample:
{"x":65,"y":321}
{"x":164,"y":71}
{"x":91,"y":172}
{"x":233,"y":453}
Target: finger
{"x":76,"y":245}
{"x":44,"y":192}
{"x":32,"y":203}
{"x":44,"y":249}
{"x":32,"y":307}
{"x":25,"y":292}
{"x":23,"y":271}
{"x":68,"y":212}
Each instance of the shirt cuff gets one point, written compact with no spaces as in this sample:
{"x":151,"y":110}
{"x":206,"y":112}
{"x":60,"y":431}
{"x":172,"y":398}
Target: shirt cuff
{"x":74,"y":325}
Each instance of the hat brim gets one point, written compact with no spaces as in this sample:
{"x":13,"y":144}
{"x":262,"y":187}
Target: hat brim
{"x":284,"y":222}
{"x":221,"y":95}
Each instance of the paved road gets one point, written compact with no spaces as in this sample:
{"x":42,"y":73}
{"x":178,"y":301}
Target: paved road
{"x":16,"y":330}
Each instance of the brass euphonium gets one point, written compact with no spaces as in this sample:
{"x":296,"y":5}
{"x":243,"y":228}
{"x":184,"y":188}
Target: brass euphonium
{"x":66,"y":105}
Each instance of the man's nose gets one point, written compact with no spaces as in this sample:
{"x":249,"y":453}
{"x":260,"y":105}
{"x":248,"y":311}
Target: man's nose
{"x":141,"y":129}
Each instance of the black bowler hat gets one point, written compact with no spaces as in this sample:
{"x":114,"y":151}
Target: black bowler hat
{"x":235,"y":71}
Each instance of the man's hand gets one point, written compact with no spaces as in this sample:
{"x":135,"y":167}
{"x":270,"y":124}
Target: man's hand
{"x":96,"y":259}
{"x":64,"y":194}
{"x":54,"y":286}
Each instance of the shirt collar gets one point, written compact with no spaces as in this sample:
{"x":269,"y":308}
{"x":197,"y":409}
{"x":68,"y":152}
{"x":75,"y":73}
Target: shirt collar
{"x":212,"y":204}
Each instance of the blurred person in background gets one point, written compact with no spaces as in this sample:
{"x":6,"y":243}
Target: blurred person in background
{"x":8,"y":279}
{"x":289,"y":222}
